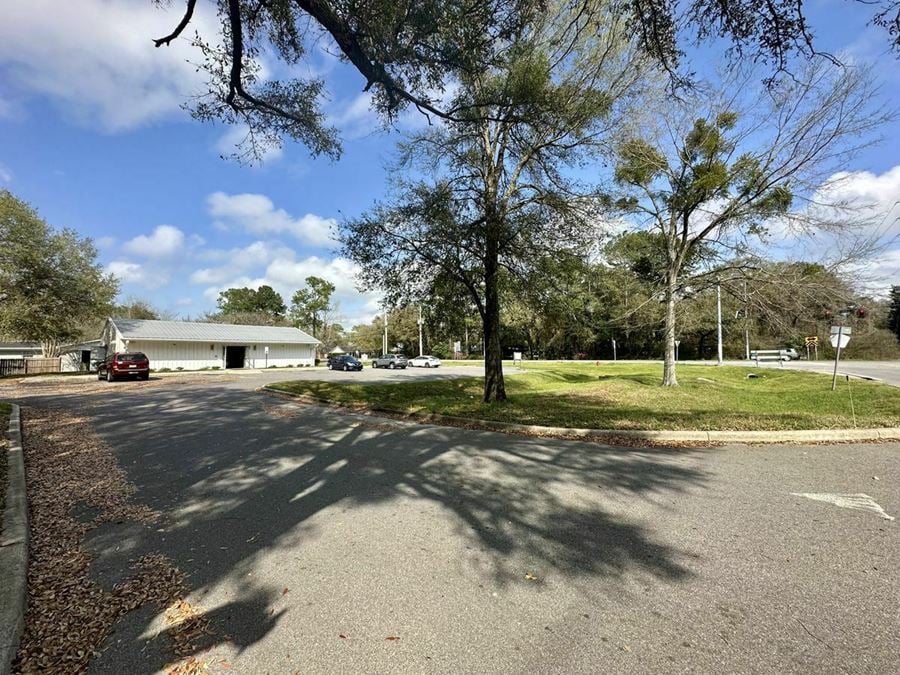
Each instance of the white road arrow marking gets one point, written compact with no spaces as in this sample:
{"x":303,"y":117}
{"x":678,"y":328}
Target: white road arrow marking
{"x":860,"y":501}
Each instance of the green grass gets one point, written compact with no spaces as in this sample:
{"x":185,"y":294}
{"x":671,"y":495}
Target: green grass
{"x":629,"y":396}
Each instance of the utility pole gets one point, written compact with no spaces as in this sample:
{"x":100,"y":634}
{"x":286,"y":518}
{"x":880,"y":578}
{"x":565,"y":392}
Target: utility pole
{"x":719,"y":319}
{"x":421,"y":352}
{"x":614,"y":348}
{"x":384,"y":343}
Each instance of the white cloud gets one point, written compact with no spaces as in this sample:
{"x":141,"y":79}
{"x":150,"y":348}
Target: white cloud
{"x":356,"y":118}
{"x":878,"y":274}
{"x":257,"y":214}
{"x":164,"y":242}
{"x":135,"y":273}
{"x":238,"y":260}
{"x":229,"y":144}
{"x":873,"y":197}
{"x":96,"y":58}
{"x":286,"y":275}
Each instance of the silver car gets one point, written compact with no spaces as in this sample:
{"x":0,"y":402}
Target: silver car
{"x":390,"y":361}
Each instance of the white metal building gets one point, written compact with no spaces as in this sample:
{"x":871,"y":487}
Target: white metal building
{"x":191,"y":345}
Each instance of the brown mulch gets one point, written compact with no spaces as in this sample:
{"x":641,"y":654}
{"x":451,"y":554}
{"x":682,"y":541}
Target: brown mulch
{"x":69,"y":615}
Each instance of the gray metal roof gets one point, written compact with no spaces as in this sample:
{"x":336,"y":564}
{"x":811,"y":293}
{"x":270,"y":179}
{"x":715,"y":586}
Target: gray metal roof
{"x":20,"y":345}
{"x":190,"y":331}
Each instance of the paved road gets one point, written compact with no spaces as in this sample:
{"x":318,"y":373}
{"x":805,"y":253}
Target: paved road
{"x":485,"y":552}
{"x":885,"y":371}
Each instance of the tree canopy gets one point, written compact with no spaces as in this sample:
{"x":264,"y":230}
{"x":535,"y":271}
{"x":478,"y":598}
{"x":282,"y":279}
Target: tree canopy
{"x":264,"y":301}
{"x":312,"y":308}
{"x":410,"y":52}
{"x":51,"y":284}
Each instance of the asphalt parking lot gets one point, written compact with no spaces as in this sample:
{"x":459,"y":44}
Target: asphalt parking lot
{"x":312,"y":536}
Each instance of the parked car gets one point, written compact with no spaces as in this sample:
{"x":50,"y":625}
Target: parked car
{"x":390,"y":361}
{"x":425,"y":362}
{"x":789,"y":354}
{"x":124,"y":364}
{"x":344,"y":362}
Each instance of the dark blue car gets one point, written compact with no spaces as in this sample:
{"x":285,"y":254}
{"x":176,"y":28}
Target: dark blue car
{"x":344,"y":362}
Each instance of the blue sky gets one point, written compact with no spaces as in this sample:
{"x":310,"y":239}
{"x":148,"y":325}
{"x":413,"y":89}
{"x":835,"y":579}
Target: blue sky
{"x":92,"y":134}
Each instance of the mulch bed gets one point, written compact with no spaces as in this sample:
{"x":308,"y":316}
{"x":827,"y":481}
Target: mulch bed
{"x":69,"y":615}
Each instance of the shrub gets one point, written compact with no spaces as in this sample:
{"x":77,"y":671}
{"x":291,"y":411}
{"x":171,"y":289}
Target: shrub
{"x":179,"y":368}
{"x":163,"y":370}
{"x":215,"y":368}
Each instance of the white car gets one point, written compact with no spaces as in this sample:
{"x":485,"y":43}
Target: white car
{"x":425,"y":362}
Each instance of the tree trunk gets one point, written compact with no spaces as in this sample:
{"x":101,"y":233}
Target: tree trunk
{"x":494,"y":387}
{"x":50,"y":348}
{"x":669,"y":377}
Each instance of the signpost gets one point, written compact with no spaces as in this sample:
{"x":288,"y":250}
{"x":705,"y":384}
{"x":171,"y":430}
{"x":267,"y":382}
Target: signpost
{"x":812,"y":341}
{"x":840,"y":336}
{"x":266,"y":350}
{"x":614,"y":348}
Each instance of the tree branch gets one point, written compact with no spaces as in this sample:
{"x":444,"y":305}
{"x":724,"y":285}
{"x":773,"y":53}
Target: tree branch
{"x":185,"y":20}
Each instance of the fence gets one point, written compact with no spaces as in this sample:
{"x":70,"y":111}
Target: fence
{"x":28,"y":366}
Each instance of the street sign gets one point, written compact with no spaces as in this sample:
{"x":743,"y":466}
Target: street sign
{"x":457,"y":347}
{"x":845,"y":339}
{"x":840,"y":336}
{"x":811,"y":340}
{"x":266,"y":349}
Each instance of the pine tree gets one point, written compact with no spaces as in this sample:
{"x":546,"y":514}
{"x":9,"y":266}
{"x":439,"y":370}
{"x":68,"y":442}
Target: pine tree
{"x":894,"y":315}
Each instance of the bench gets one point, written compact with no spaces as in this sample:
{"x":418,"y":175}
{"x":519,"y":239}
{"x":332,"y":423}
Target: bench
{"x":769,"y":355}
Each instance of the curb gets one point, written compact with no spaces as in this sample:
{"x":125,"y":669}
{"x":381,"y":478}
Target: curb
{"x":13,"y":548}
{"x":785,"y":436}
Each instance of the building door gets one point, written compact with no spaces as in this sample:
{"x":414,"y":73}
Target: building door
{"x":235,"y":356}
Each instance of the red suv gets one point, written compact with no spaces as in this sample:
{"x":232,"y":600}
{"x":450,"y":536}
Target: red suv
{"x":124,"y":364}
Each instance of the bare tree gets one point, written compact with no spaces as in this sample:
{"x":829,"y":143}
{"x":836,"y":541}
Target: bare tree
{"x":737,"y":165}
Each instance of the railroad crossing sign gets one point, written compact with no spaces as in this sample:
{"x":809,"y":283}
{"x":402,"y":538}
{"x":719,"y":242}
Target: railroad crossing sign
{"x":811,"y":340}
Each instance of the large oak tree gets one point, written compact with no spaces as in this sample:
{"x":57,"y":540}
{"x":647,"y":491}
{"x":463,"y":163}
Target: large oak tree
{"x":490,"y":193}
{"x":51,"y":285}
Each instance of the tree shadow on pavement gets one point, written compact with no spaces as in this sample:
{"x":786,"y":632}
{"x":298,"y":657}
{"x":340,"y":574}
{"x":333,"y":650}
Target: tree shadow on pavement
{"x":239,"y":475}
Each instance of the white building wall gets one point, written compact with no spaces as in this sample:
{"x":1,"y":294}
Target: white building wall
{"x":197,"y":355}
